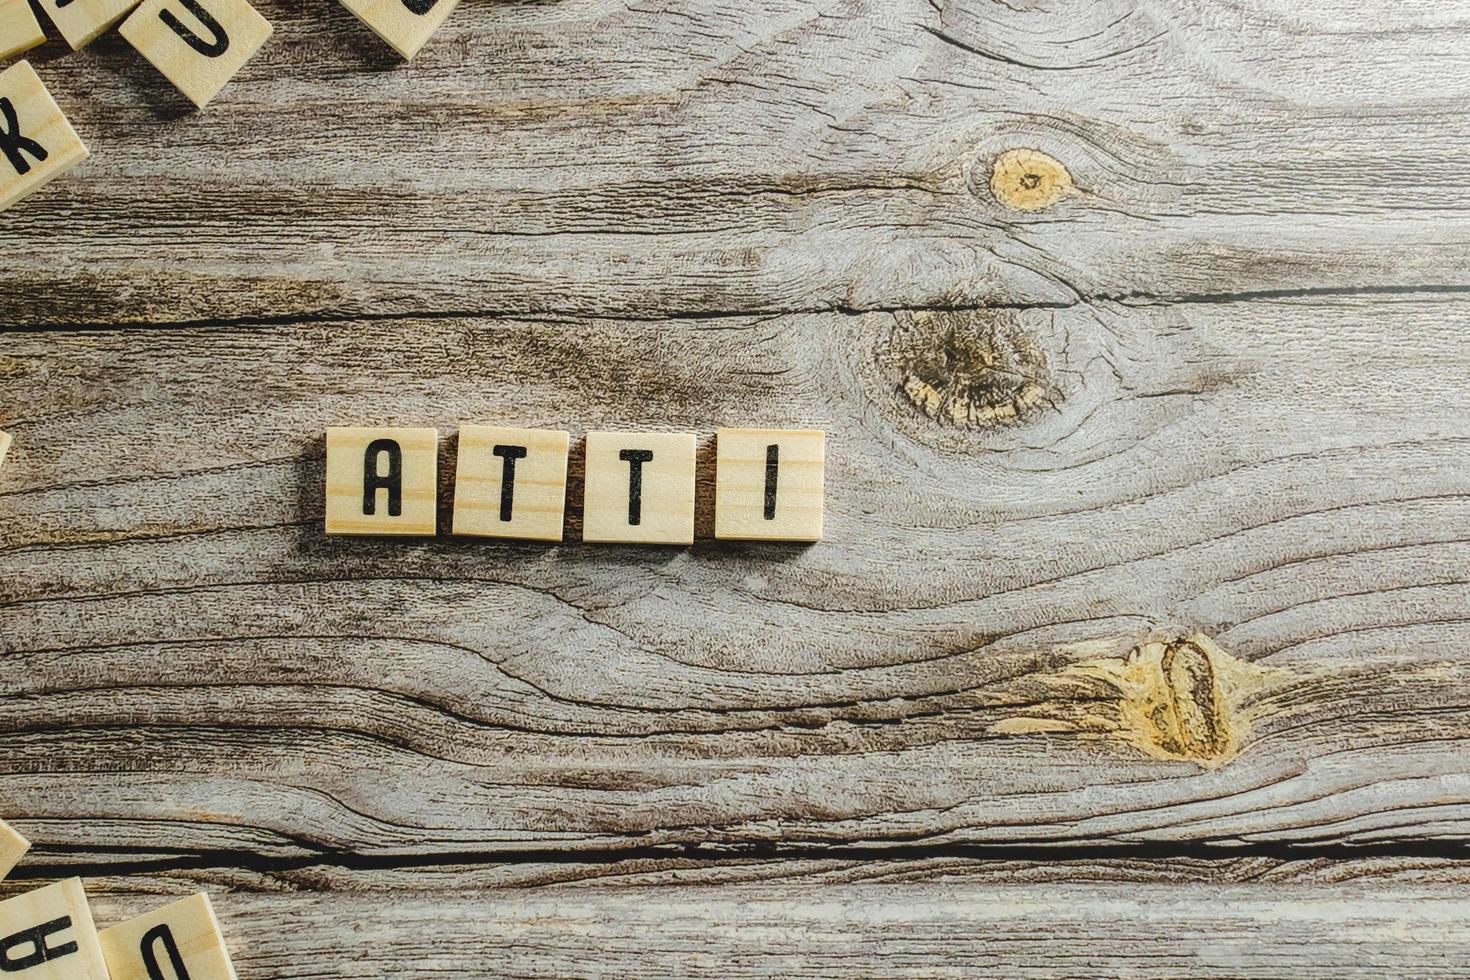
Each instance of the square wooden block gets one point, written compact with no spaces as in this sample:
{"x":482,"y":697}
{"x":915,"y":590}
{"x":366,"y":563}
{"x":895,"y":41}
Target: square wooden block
{"x":197,"y":44}
{"x":382,"y":481}
{"x":40,"y":144}
{"x":511,"y":483}
{"x":82,"y":21}
{"x":769,"y":484}
{"x":12,"y":845}
{"x":4,"y":446}
{"x":404,"y":24}
{"x":47,"y":934}
{"x":640,"y":488}
{"x":178,"y":940}
{"x":19,"y":29}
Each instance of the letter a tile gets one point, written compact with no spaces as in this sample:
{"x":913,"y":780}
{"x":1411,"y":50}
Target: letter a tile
{"x":37,"y":144}
{"x":82,"y":21}
{"x":178,"y":940}
{"x":382,"y":481}
{"x":197,"y":44}
{"x":47,"y":934}
{"x":12,"y":845}
{"x":510,"y":483}
{"x":404,"y":24}
{"x":769,"y":484}
{"x":19,"y":29}
{"x":640,"y":488}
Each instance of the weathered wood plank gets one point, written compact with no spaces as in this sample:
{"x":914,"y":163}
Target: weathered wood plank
{"x":689,"y":156}
{"x":929,"y":930}
{"x":1289,"y":477}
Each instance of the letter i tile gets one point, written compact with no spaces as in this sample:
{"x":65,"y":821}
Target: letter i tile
{"x":37,"y":144}
{"x":198,"y":45}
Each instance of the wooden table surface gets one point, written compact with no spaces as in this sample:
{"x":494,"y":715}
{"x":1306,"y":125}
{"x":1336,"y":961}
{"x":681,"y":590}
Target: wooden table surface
{"x":1136,"y":645}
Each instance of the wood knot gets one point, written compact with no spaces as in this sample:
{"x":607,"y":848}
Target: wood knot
{"x":1029,"y":180}
{"x":974,"y":368}
{"x":1181,"y":699}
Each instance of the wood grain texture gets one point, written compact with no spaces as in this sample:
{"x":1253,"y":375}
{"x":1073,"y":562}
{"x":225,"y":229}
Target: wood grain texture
{"x":924,"y":675}
{"x":1136,"y":642}
{"x":926,"y":930}
{"x":692,"y":156}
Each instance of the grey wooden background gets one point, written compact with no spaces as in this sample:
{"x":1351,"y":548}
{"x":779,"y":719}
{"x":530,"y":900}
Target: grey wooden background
{"x":1137,"y":643}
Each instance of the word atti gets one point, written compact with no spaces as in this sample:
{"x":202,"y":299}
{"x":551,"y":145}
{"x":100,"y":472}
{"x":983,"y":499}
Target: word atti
{"x":512,"y":483}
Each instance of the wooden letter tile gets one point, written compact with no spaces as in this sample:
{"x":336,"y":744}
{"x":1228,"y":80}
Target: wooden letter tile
{"x":510,"y":483}
{"x":382,"y":481}
{"x":82,"y":21}
{"x":47,"y":934}
{"x":178,"y":940}
{"x":12,"y":845}
{"x":19,"y":29}
{"x":768,"y":484}
{"x":404,"y":24}
{"x":640,"y":488}
{"x":197,"y":44}
{"x":4,"y":446}
{"x":38,"y":143}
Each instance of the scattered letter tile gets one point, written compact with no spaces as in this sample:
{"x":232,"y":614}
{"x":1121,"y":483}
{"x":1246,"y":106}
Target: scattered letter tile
{"x":769,"y":484}
{"x":404,"y":24}
{"x":38,"y":143}
{"x":4,"y":446}
{"x":178,"y":940}
{"x":640,"y":488}
{"x":510,"y":483}
{"x":197,"y":44}
{"x":19,"y":29}
{"x":82,"y":21}
{"x":12,"y":845}
{"x":47,"y":934}
{"x":382,"y":481}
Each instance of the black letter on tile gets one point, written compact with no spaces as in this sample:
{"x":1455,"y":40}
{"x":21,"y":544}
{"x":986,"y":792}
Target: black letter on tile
{"x":150,"y":958}
{"x":773,"y":463}
{"x":392,"y":481}
{"x":419,"y":7}
{"x":36,"y":938}
{"x":508,"y":476}
{"x":210,"y":49}
{"x":635,"y":459}
{"x":12,"y":143}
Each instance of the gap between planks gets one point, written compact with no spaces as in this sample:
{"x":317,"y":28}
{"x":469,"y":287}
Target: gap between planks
{"x":552,"y":315}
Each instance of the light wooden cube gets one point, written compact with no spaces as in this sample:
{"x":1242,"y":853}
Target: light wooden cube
{"x":4,"y":446}
{"x":769,"y":484}
{"x":47,"y":934}
{"x":511,"y":483}
{"x":404,"y":24}
{"x":39,"y":144}
{"x":82,"y":21}
{"x":197,"y":53}
{"x":382,"y":481}
{"x":12,"y":845}
{"x":640,"y":488}
{"x":19,"y":29}
{"x":178,"y":940}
